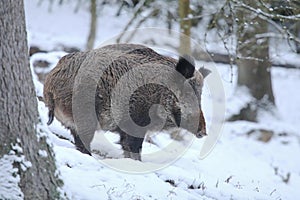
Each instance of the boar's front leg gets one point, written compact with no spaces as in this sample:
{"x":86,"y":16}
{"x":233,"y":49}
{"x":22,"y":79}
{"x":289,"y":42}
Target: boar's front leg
{"x":78,"y":143}
{"x":132,"y":146}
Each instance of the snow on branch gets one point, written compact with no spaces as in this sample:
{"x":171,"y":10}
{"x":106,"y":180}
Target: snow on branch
{"x":270,"y":19}
{"x":269,"y":15}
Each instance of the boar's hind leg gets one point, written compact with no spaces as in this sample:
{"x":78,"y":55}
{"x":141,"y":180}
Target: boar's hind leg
{"x":78,"y":143}
{"x":132,"y":146}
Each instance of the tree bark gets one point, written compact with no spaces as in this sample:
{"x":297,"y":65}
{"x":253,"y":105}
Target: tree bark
{"x":18,"y":105}
{"x":93,"y":26}
{"x":185,"y":26}
{"x":253,"y":60}
{"x":297,"y":33}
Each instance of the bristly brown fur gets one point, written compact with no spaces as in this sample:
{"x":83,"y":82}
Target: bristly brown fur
{"x":115,"y":61}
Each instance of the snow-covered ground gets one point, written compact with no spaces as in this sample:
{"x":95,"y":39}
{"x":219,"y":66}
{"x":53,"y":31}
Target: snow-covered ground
{"x":240,"y":166}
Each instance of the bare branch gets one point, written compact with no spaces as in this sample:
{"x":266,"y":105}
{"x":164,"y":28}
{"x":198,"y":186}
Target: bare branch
{"x":265,"y":14}
{"x":262,"y":36}
{"x":290,"y":35}
{"x":152,"y":13}
{"x":269,"y":18}
{"x":139,"y":9}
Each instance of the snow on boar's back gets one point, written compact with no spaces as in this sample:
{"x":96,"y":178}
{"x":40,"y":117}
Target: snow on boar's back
{"x":126,"y":88}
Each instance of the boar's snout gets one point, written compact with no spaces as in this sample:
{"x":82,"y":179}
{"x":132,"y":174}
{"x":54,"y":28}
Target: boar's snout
{"x":201,"y":132}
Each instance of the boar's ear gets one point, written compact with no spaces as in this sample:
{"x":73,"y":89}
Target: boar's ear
{"x":186,"y":66}
{"x":205,"y":72}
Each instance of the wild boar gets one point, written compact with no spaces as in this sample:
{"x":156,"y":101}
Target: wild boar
{"x":125,"y":88}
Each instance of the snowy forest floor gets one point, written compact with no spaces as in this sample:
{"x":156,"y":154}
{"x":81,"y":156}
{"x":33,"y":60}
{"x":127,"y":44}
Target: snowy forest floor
{"x":244,"y":164}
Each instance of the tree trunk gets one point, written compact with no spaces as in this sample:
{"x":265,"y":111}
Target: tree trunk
{"x":93,"y":26}
{"x":297,"y":33}
{"x":18,"y":105}
{"x":185,"y":27}
{"x":253,"y":61}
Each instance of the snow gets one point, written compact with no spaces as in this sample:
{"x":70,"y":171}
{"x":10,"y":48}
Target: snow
{"x":236,"y":166}
{"x":52,"y":58}
{"x":9,"y":176}
{"x":42,"y":153}
{"x":9,"y":179}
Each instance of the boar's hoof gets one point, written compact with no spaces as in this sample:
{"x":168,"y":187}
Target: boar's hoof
{"x":83,"y":150}
{"x":134,"y":156}
{"x":201,"y":134}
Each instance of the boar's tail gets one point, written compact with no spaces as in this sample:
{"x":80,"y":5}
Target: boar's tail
{"x":51,"y":106}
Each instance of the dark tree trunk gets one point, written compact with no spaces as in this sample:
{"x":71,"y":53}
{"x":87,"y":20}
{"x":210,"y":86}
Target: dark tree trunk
{"x":253,"y":61}
{"x":18,"y":105}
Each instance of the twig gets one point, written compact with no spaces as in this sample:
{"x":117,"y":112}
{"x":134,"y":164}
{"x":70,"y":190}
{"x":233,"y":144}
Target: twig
{"x":265,"y":14}
{"x":154,"y":11}
{"x":139,"y":8}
